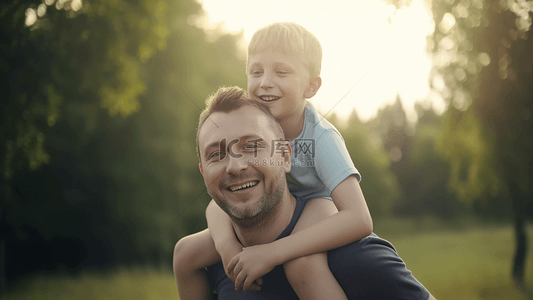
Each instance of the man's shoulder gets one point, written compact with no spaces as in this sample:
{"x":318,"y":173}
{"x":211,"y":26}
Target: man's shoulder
{"x":378,"y":271}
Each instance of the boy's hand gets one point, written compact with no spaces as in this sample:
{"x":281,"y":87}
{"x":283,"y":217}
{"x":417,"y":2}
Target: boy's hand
{"x":250,"y":264}
{"x":227,"y":255}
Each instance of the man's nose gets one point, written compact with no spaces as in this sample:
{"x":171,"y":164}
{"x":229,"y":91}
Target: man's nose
{"x":236,"y":163}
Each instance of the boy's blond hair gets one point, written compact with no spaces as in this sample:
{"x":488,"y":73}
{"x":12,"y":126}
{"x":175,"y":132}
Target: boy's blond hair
{"x":289,"y":38}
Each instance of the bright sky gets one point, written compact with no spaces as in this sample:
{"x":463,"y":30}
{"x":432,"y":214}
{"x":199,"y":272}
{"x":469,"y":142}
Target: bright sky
{"x":359,"y":45}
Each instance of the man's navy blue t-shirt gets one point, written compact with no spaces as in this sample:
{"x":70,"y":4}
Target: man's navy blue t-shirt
{"x":366,"y":269}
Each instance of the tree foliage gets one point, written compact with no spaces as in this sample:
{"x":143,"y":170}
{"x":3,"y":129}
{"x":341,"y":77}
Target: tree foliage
{"x":421,"y":171}
{"x":95,"y":63}
{"x":483,"y":60}
{"x":99,"y":118}
{"x":378,"y":183}
{"x":395,"y":135}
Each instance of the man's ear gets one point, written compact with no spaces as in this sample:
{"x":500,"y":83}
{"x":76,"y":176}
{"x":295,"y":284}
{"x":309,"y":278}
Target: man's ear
{"x":312,"y":88}
{"x":201,"y":169}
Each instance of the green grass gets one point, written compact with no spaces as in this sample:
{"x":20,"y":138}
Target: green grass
{"x":469,"y":264}
{"x":453,"y":264}
{"x":120,"y":284}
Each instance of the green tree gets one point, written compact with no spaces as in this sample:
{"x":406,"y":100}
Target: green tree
{"x":422,"y":172}
{"x":99,"y":120}
{"x":396,"y":136}
{"x":379,"y":184}
{"x":428,"y":175}
{"x":97,"y":62}
{"x":64,"y":59}
{"x":162,"y":187}
{"x":483,"y":60}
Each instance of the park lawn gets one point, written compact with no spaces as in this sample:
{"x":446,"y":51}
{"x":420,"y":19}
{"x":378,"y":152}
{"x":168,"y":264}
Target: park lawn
{"x":120,"y":284}
{"x":452,"y":264}
{"x":469,"y":264}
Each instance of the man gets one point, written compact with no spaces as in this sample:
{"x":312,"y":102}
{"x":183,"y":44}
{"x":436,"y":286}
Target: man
{"x":246,"y":177}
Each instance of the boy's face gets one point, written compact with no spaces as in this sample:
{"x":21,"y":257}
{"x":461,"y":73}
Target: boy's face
{"x":281,"y":81}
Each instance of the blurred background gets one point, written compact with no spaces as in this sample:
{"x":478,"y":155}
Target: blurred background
{"x":99,"y":107}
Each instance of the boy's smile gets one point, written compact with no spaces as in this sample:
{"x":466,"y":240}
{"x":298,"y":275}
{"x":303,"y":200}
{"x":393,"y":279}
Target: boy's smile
{"x":268,"y":98}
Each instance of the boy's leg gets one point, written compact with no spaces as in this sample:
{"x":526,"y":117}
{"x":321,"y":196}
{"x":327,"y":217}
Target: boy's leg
{"x":310,"y":276}
{"x":191,"y":254}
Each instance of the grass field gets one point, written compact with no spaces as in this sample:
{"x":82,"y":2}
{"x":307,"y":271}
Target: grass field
{"x":452,"y":264}
{"x":471,"y":264}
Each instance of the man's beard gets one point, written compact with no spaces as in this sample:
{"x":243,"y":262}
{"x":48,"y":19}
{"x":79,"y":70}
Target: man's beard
{"x":260,"y":210}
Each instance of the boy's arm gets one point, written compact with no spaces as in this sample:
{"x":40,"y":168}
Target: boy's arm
{"x":226,"y":244}
{"x":222,"y":233}
{"x":353,"y":222}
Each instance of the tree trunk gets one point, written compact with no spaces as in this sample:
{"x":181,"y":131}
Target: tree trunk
{"x":519,"y":260}
{"x":2,"y":265}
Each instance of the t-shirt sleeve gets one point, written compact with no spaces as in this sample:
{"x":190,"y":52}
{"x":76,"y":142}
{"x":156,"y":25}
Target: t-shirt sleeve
{"x":332,"y":160}
{"x":371,"y":269}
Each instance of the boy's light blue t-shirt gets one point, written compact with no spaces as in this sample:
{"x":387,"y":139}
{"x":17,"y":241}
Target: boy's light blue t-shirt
{"x":320,"y":160}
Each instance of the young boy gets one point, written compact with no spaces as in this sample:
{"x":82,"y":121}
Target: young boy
{"x":283,"y":71}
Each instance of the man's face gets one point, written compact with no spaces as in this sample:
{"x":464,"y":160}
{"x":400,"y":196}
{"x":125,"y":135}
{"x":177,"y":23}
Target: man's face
{"x":279,"y":80}
{"x":240,"y":171}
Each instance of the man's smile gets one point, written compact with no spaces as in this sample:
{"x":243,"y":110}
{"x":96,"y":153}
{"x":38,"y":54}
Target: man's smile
{"x":238,"y":187}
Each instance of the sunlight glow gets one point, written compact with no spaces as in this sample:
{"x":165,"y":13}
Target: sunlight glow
{"x":366,"y":41}
{"x":31,"y":17}
{"x":41,"y":9}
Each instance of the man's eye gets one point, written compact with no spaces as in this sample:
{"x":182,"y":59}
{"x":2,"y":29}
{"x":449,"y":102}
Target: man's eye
{"x":282,"y":72}
{"x":216,"y":155}
{"x":255,"y":72}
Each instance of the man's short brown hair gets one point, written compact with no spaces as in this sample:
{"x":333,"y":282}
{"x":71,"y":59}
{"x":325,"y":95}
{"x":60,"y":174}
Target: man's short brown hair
{"x":228,"y":99}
